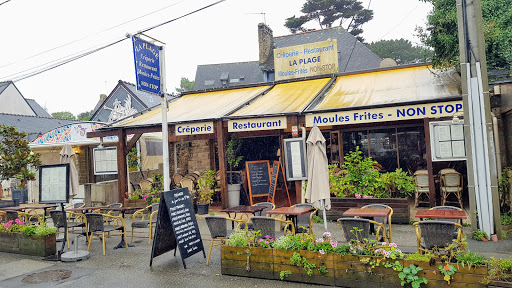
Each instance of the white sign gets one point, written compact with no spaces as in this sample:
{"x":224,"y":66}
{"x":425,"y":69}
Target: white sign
{"x":194,"y":128}
{"x":255,"y":124}
{"x":447,"y":141}
{"x":105,"y":160}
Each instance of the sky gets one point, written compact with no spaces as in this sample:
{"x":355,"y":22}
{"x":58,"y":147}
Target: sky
{"x":35,"y":33}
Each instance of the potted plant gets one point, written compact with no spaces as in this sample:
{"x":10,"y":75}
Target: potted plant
{"x":233,"y":159}
{"x":15,"y":158}
{"x":205,"y":184}
{"x":36,"y":240}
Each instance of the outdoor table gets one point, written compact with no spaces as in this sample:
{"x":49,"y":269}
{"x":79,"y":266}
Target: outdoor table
{"x":367,"y":213}
{"x":242,"y":209}
{"x":291,"y":213}
{"x":23,"y":208}
{"x":441,"y":214}
{"x":86,"y":209}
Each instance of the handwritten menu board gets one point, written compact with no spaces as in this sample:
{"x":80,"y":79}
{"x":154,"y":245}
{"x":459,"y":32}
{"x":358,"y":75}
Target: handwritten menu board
{"x":278,"y":170}
{"x":258,"y":178}
{"x":180,"y":211}
{"x":54,"y":183}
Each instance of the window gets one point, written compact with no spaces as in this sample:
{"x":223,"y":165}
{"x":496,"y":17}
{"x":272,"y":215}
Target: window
{"x":154,"y":148}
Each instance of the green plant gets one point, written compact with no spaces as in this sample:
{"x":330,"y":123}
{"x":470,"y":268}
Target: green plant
{"x":239,"y":238}
{"x":284,"y":273}
{"x":419,"y":257}
{"x":470,"y":258}
{"x":503,"y":191}
{"x":500,"y":269}
{"x":317,"y":219}
{"x":266,"y":242}
{"x":447,"y":271}
{"x":322,"y":270}
{"x":206,"y":183}
{"x":233,"y":159}
{"x":360,"y":174}
{"x":408,"y":276}
{"x":298,"y":260}
{"x":479,"y":235}
{"x":506,"y":218}
{"x":398,"y":183}
{"x":133,"y":158}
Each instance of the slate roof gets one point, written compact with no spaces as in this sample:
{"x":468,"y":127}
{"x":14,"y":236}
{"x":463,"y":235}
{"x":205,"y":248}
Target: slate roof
{"x":32,"y":125}
{"x":4,"y":85}
{"x":353,"y":56}
{"x":38,"y":109}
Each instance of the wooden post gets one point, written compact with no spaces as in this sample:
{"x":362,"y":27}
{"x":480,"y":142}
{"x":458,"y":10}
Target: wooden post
{"x":221,"y":143}
{"x":122,"y":185}
{"x":430,"y":169}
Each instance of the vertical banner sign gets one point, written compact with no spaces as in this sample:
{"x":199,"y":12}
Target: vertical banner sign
{"x":147,"y":65}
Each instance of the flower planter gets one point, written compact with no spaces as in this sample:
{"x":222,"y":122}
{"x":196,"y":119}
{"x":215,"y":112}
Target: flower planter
{"x":135,"y":203}
{"x":344,"y":271}
{"x":341,"y":204}
{"x":500,"y":284}
{"x":28,"y":245}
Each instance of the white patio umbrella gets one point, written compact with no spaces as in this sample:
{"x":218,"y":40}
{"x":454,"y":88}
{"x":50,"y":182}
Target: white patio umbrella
{"x":317,"y":191}
{"x":66,"y":156}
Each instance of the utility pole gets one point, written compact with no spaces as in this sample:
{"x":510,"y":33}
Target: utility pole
{"x":481,"y":161}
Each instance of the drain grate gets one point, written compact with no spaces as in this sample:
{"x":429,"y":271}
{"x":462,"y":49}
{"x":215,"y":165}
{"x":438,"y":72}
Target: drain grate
{"x":46,"y":276}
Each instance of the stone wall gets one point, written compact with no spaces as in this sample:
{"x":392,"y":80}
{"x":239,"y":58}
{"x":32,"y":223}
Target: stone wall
{"x":200,"y":156}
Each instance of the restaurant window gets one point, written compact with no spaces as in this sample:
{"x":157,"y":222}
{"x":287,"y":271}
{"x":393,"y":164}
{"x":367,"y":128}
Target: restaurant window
{"x":412,"y":149}
{"x":332,"y":146}
{"x":383,"y":148}
{"x":353,"y":139}
{"x":154,"y":148}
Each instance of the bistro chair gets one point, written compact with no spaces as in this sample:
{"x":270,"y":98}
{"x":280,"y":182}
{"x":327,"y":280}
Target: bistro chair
{"x":113,"y":213}
{"x":350,"y":234}
{"x":145,"y":185}
{"x":145,"y":223}
{"x":437,"y":236}
{"x":188,"y":183}
{"x":267,"y":225}
{"x":422,"y":187}
{"x":305,"y":221}
{"x":96,"y":224}
{"x":451,"y":183}
{"x":446,"y":208}
{"x":176,"y":178}
{"x":383,"y":220}
{"x":268,"y":206}
{"x":59,"y":221}
{"x":12,"y":215}
{"x":218,"y":230}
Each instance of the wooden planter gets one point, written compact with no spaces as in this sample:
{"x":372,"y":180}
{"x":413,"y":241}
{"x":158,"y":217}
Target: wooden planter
{"x":500,"y":284}
{"x":341,"y":204}
{"x":135,"y":203}
{"x":344,"y":271}
{"x":28,"y":245}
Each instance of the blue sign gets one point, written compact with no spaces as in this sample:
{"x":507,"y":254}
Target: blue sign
{"x":147,"y":65}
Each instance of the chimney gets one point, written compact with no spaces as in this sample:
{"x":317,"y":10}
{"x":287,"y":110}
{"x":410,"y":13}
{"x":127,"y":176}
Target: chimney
{"x":266,"y":46}
{"x":102,"y":98}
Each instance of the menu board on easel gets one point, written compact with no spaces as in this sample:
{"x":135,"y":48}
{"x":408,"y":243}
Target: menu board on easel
{"x":278,"y":170}
{"x":54,"y":183}
{"x":258,"y":177}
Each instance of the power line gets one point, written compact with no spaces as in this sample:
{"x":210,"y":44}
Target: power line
{"x":68,"y":59}
{"x":4,"y":2}
{"x":399,"y":23}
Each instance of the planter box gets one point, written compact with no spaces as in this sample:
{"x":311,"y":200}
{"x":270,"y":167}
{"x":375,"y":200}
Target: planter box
{"x":135,"y":203}
{"x":344,"y":271}
{"x":28,"y":245}
{"x":500,"y":284}
{"x":341,"y":204}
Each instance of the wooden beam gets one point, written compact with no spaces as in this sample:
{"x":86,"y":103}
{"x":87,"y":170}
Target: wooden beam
{"x":174,"y":138}
{"x":122,"y":179}
{"x":132,"y":142}
{"x":221,"y":143}
{"x":430,"y":169}
{"x":114,"y":131}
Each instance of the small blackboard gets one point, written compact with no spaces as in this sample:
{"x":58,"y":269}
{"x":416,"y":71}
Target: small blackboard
{"x":177,"y":226}
{"x":276,"y":171}
{"x":258,"y":177}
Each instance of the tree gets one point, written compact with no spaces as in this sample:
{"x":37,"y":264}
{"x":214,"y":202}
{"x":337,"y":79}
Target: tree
{"x":185,"y":85}
{"x":441,"y":33}
{"x":64,"y":115}
{"x":400,"y":50}
{"x":84,"y":116}
{"x":326,"y":12}
{"x":16,"y":155}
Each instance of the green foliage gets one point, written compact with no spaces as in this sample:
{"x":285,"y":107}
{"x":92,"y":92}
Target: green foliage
{"x":398,"y":182}
{"x":64,"y":115}
{"x":359,"y":174}
{"x":284,"y":273}
{"x":503,"y":191}
{"x":400,"y":50}
{"x":133,"y":158}
{"x":500,"y":269}
{"x":419,"y":257}
{"x":185,"y":85}
{"x":16,"y":155}
{"x":298,"y":260}
{"x":479,"y":235}
{"x":232,"y":148}
{"x":470,"y":258}
{"x":317,"y":219}
{"x":322,"y":269}
{"x":326,"y":12}
{"x":447,"y":271}
{"x":84,"y":116}
{"x":205,"y":183}
{"x":408,"y":276}
{"x":238,"y":238}
{"x":441,"y":33}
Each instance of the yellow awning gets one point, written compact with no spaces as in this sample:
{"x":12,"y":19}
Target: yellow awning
{"x":200,"y":106}
{"x":284,"y":98}
{"x":407,"y":84}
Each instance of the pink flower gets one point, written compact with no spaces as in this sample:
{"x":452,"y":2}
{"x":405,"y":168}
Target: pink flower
{"x":18,"y":221}
{"x":261,"y":239}
{"x":319,"y":240}
{"x":357,"y":196}
{"x":266,"y":242}
{"x":327,"y":234}
{"x":334,"y":243}
{"x":321,"y":251}
{"x":365,"y":196}
{"x":392,"y":245}
{"x":267,"y":236}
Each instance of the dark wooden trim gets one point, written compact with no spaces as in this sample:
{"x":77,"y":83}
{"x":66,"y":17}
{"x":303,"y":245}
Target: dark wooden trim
{"x":430,"y":169}
{"x":132,"y":142}
{"x":113,"y":131}
{"x":174,"y":138}
{"x":221,"y":143}
{"x":258,"y":133}
{"x":122,"y":185}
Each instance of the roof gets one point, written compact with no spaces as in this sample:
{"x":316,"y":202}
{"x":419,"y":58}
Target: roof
{"x":238,"y":73}
{"x":32,"y":125}
{"x":40,"y":111}
{"x":4,"y":85}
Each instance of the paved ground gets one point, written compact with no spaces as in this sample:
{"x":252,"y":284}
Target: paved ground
{"x":130,"y":267}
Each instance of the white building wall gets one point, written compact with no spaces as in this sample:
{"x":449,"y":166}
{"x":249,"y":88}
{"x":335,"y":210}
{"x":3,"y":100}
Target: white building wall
{"x":14,"y":103}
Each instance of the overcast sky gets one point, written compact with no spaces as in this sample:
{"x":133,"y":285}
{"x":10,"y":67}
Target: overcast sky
{"x":36,"y":32}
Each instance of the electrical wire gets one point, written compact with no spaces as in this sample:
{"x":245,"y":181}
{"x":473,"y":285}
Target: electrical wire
{"x":68,"y":59}
{"x":403,"y":19}
{"x":4,"y":2}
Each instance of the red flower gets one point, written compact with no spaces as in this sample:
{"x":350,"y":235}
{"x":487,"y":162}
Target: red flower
{"x":446,"y":268}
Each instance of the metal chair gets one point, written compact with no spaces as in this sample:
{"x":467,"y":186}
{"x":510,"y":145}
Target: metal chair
{"x":451,"y":183}
{"x":59,"y":221}
{"x":12,"y":215}
{"x":422,"y":187}
{"x":145,"y":223}
{"x":437,"y":235}
{"x":267,"y":225}
{"x":96,"y":223}
{"x":362,"y":231}
{"x":383,"y":220}
{"x":305,"y":221}
{"x":446,"y":208}
{"x":218,"y":230}
{"x":268,"y":206}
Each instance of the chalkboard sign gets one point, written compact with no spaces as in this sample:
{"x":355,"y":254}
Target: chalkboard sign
{"x":185,"y":231}
{"x":258,"y":178}
{"x":278,"y":170}
{"x":54,"y":183}
{"x":164,"y":240}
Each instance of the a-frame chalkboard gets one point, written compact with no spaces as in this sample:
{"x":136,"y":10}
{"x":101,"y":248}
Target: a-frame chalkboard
{"x":278,"y":170}
{"x":176,"y":226}
{"x":258,"y":178}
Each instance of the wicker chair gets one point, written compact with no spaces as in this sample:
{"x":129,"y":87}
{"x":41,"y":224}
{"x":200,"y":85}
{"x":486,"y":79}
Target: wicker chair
{"x":451,"y":183}
{"x":446,"y":208}
{"x":177,"y":179}
{"x":383,"y":220}
{"x":268,"y":206}
{"x":145,"y":185}
{"x":96,"y":223}
{"x":422,"y":187}
{"x":348,"y":224}
{"x":12,"y":215}
{"x":437,"y":235}
{"x":305,"y":220}
{"x":59,"y":221}
{"x":113,"y":213}
{"x":190,"y":184}
{"x":145,"y":223}
{"x":218,"y":231}
{"x":267,"y":225}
